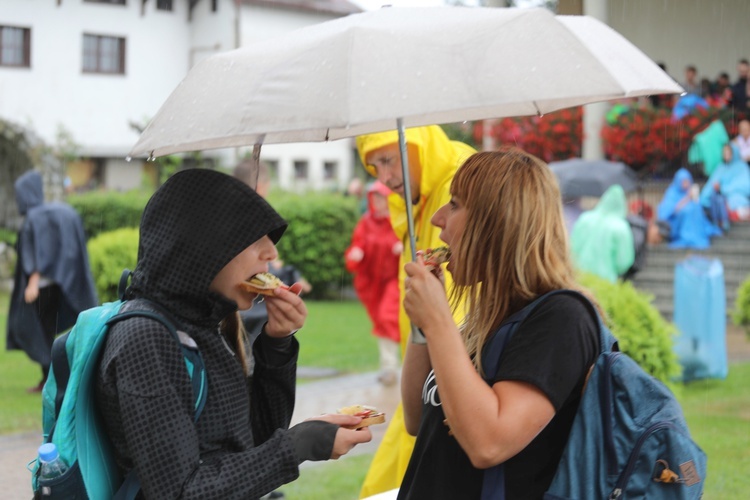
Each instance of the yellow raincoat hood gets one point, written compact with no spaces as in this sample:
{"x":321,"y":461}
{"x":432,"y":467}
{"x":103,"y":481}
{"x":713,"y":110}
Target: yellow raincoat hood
{"x":439,"y":157}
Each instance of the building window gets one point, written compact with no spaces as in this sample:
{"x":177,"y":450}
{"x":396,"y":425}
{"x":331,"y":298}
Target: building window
{"x":300,"y":169}
{"x":330,"y":170}
{"x":163,"y":4}
{"x":103,"y":54}
{"x":116,"y":2}
{"x":15,"y":46}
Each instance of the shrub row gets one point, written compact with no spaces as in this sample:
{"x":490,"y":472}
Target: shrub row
{"x":106,"y":211}
{"x":320,"y":228}
{"x":741,"y":313}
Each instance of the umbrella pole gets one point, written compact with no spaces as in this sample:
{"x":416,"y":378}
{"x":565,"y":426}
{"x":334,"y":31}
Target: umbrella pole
{"x":407,"y":186}
{"x":256,"y":160}
{"x":417,"y":337}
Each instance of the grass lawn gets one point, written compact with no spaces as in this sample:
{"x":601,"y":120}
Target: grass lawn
{"x":718,"y":413}
{"x":337,"y":334}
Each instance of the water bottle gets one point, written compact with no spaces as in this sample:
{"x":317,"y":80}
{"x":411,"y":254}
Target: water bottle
{"x":51,"y":465}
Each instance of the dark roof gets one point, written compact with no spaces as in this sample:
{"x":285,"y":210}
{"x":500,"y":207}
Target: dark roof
{"x":342,"y":7}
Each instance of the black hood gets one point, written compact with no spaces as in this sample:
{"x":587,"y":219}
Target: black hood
{"x":29,"y":191}
{"x":196,"y":223}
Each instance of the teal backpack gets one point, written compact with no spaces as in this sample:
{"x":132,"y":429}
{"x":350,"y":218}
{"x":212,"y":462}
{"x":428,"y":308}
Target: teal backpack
{"x":70,"y":419}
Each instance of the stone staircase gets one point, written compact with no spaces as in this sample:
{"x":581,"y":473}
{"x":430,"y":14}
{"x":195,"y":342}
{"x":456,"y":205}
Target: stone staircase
{"x":657,"y":276}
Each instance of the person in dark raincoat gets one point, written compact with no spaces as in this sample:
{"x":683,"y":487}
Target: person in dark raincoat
{"x":53,"y":281}
{"x":203,"y":234}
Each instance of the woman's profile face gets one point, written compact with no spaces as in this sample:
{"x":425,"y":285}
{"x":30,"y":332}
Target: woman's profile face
{"x":252,"y":260}
{"x":451,"y":219}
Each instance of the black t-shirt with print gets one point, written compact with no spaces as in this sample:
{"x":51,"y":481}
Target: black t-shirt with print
{"x":552,"y":350}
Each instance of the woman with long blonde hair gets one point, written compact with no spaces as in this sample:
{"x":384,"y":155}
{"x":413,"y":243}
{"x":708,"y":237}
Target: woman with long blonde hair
{"x":505,"y":228}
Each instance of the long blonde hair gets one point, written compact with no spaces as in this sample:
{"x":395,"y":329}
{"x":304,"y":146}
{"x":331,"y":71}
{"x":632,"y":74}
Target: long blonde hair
{"x":514,"y":246}
{"x":234,"y":333}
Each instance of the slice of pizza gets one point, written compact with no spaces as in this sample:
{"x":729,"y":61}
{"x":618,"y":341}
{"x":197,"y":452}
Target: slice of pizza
{"x":434,"y":257}
{"x":264,"y":284}
{"x":370,"y":415}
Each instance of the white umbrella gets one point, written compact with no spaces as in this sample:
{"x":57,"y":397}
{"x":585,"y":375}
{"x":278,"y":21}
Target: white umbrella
{"x":432,"y":65}
{"x":398,"y":67}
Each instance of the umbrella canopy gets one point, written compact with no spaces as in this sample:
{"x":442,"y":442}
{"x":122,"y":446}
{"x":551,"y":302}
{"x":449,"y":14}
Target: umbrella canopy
{"x":432,"y":65}
{"x":578,"y":177}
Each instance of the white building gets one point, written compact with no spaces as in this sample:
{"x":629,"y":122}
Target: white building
{"x":99,"y":69}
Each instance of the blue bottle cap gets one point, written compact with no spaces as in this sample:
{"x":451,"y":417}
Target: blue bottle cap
{"x":48,"y":452}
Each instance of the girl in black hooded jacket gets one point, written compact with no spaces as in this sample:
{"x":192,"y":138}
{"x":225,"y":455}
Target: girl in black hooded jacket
{"x":201,"y":235}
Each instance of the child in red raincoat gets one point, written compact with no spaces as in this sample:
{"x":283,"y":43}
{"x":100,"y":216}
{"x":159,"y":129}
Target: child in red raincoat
{"x":373,"y":259}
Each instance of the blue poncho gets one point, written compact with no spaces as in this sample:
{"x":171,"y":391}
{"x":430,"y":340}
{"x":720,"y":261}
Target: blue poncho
{"x":689,"y":226}
{"x":733,"y":179}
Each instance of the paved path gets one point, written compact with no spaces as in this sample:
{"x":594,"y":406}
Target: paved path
{"x":313,"y":398}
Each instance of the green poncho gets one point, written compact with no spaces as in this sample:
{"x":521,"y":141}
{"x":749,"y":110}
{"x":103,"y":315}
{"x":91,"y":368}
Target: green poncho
{"x":602,"y":241}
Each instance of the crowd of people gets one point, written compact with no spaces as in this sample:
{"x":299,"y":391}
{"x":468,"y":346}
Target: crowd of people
{"x":719,"y":92}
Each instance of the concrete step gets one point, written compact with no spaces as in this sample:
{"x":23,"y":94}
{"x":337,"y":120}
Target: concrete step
{"x":661,"y":275}
{"x":734,"y":262}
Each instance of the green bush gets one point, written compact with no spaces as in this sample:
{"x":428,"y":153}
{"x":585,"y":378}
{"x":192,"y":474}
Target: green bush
{"x":741,"y":313}
{"x":106,"y":211}
{"x":8,"y":236}
{"x":109,"y":254}
{"x":641,"y":331}
{"x":320,"y":229}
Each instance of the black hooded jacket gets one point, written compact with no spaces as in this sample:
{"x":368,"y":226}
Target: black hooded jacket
{"x":191,"y":228}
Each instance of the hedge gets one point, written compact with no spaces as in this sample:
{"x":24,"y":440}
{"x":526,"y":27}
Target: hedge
{"x":104,"y":211}
{"x":741,"y":313}
{"x":641,"y":331}
{"x":109,"y":254}
{"x":320,"y":230}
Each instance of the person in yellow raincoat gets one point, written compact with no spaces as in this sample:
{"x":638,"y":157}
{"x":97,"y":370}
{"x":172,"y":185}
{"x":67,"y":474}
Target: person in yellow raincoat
{"x":433,"y":160}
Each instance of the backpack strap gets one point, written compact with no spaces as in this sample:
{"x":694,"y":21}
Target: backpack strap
{"x":193,"y":359}
{"x":61,"y":369}
{"x":493,"y":482}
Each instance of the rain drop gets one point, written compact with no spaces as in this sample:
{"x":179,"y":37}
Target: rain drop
{"x":128,"y":158}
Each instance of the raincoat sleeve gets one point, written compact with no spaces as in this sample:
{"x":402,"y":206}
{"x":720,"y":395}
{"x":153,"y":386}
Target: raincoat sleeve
{"x":358,"y":237}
